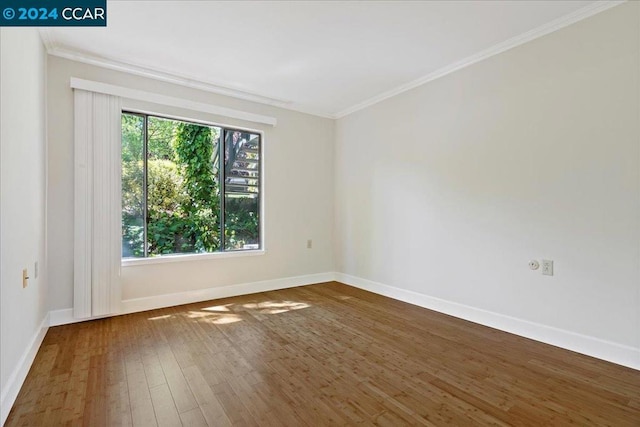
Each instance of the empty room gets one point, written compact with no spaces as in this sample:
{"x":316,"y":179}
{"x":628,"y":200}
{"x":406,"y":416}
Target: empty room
{"x":320,"y":213}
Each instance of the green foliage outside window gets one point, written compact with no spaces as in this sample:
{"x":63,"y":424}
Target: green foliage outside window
{"x":194,"y":148}
{"x":183,"y":202}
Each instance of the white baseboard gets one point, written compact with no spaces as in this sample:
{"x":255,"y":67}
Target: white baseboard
{"x":168,"y":300}
{"x":595,"y":347}
{"x":12,"y":388}
{"x":61,"y":317}
{"x":65,"y":316}
{"x":601,"y":349}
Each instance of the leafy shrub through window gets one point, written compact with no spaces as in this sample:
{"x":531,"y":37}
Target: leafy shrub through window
{"x":178,"y":196}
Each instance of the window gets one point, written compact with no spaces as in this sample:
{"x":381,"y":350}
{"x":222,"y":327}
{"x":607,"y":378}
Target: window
{"x":178,"y":196}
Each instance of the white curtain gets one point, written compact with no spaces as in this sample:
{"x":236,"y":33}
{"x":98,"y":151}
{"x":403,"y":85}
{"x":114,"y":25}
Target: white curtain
{"x":97,"y":204}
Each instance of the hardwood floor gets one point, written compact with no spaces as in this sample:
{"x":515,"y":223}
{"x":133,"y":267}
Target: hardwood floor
{"x":326,"y":354}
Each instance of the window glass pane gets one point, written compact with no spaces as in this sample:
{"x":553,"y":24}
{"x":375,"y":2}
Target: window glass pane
{"x":171,"y":189}
{"x":183,"y":196}
{"x":132,"y":185}
{"x":242,"y":187}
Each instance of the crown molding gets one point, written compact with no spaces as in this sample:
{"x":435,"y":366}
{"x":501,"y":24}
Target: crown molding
{"x":55,"y":49}
{"x":550,"y":27}
{"x":47,"y":38}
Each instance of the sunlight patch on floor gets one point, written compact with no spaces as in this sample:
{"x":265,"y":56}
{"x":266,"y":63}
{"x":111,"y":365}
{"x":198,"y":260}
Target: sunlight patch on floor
{"x":165,"y":316}
{"x":275,"y":307}
{"x":227,"y":318}
{"x":217,"y":308}
{"x":223,"y":314}
{"x":215,"y":318}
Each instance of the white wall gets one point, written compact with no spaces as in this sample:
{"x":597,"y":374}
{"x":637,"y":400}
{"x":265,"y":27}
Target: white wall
{"x":22,"y":209}
{"x":298,"y":176}
{"x":448,"y":190}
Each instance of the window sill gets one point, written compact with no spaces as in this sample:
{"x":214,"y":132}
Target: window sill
{"x":131,"y":262}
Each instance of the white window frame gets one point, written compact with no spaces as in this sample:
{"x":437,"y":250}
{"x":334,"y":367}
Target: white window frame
{"x":186,"y":257}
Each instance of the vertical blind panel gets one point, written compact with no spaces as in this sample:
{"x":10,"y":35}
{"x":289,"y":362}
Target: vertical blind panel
{"x":82,"y":206}
{"x":97,"y":204}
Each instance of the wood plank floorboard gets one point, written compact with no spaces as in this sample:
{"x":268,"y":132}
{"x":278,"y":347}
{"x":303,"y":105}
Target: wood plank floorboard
{"x":319,"y":355}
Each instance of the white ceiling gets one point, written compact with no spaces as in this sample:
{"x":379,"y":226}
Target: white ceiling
{"x":328,"y":58}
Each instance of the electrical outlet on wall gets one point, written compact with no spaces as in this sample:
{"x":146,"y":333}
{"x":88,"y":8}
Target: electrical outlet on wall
{"x":547,"y":267}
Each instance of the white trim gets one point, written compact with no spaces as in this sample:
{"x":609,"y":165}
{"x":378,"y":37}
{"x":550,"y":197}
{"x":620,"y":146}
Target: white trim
{"x":126,"y":67}
{"x":543,"y":30}
{"x":65,"y":316}
{"x":131,"y":262}
{"x":155,"y":98}
{"x":47,"y":39}
{"x":591,"y":346}
{"x":56,"y":50}
{"x":169,"y":300}
{"x":19,"y":374}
